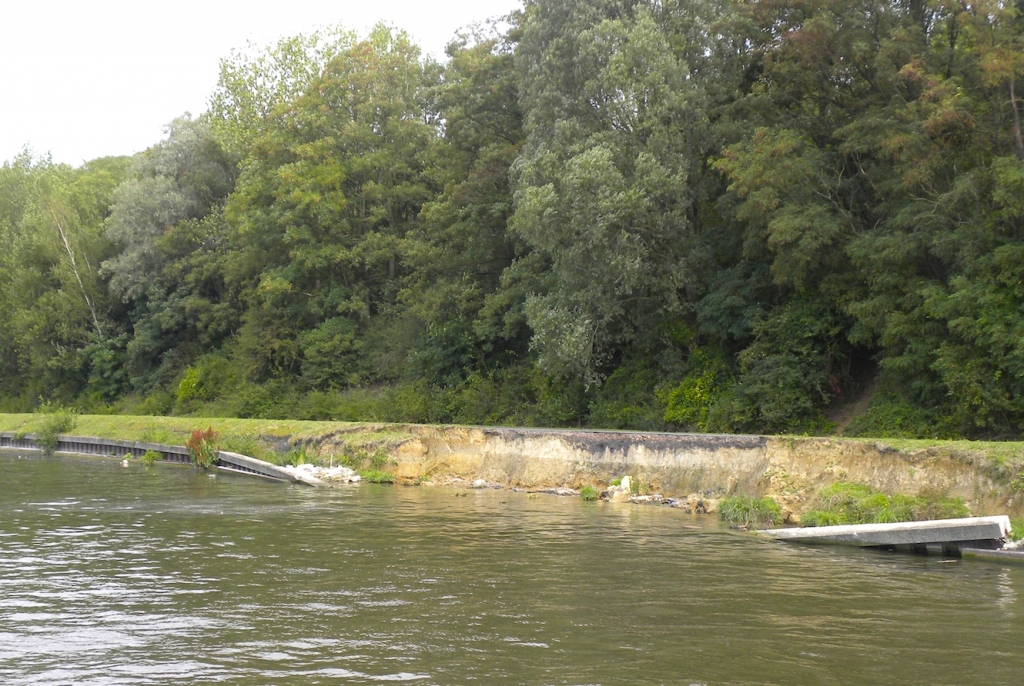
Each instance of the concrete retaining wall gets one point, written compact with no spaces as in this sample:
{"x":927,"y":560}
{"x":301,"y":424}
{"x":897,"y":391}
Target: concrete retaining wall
{"x":90,"y":445}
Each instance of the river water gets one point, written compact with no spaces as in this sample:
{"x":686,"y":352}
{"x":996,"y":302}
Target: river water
{"x":163,"y":575}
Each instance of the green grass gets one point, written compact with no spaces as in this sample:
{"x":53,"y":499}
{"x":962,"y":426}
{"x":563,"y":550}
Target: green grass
{"x":1017,"y":528}
{"x":742,"y":510}
{"x":589,"y":493}
{"x":376,"y":476}
{"x":849,"y":503}
{"x":271,"y":440}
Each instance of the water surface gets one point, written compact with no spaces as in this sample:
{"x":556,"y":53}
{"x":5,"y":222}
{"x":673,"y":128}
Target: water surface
{"x":163,"y":575}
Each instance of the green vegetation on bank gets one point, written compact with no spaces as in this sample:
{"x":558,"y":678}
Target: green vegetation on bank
{"x":707,"y":215}
{"x":848,"y":503}
{"x":366,"y":444}
{"x":748,"y":511}
{"x":150,"y":457}
{"x":54,"y":420}
{"x":202,"y":448}
{"x":362,"y":445}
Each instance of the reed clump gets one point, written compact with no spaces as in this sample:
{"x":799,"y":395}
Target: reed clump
{"x":750,"y":512}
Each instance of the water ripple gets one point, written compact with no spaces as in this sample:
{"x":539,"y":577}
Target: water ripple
{"x":113,"y":576}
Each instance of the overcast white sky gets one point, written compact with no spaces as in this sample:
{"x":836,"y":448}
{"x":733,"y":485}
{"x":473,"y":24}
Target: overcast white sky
{"x":81,"y":79}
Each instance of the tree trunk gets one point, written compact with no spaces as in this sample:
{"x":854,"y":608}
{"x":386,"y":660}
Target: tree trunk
{"x":74,"y":270}
{"x":1018,"y":139}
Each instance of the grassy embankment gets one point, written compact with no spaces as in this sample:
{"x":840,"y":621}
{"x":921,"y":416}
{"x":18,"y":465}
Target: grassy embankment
{"x":277,"y":441}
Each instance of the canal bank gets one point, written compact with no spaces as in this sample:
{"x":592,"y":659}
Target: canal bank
{"x":790,"y":469}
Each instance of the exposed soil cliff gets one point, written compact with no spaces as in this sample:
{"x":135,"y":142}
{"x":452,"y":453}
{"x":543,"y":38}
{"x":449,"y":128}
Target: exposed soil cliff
{"x":791,"y":469}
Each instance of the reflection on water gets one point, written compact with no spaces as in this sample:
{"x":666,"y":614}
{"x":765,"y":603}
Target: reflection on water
{"x":167,"y":576}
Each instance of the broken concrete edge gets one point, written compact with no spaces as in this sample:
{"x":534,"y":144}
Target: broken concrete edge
{"x":968,"y":529}
{"x":1011,"y":556}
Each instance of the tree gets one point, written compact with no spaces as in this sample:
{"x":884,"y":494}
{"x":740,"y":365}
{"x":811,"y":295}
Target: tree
{"x":254,"y":84}
{"x":617,"y":133}
{"x":54,"y":300}
{"x":334,"y":188}
{"x":166,"y":221}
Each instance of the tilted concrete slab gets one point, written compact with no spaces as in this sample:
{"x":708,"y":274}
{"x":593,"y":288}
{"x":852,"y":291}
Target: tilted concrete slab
{"x":244,"y":464}
{"x":970,"y":529}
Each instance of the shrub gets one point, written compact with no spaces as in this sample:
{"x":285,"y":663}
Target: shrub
{"x":56,"y":420}
{"x":253,"y":447}
{"x":202,"y":448}
{"x":150,"y":456}
{"x":589,"y":493}
{"x":789,"y":373}
{"x":743,"y":510}
{"x":625,"y":400}
{"x":689,"y":403}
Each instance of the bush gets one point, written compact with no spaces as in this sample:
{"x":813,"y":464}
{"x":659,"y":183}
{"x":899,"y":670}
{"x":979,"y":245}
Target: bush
{"x":743,"y":510}
{"x":894,"y":417}
{"x":636,"y":487}
{"x":849,"y":503}
{"x":150,"y":456}
{"x":202,"y":448}
{"x":589,"y":493}
{"x":626,"y":400}
{"x":789,"y":374}
{"x":690,"y":403}
{"x":56,"y":420}
{"x":253,"y":447}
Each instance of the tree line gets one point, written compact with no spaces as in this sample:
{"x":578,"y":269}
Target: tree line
{"x":713,"y":215}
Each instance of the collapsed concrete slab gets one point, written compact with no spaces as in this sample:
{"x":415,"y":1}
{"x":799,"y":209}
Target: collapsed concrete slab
{"x":940,"y":536}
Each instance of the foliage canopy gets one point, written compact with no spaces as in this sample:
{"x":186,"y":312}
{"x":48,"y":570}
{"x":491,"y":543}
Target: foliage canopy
{"x":714,"y":215}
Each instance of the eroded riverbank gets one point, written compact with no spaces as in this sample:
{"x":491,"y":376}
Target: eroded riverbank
{"x":791,"y":469}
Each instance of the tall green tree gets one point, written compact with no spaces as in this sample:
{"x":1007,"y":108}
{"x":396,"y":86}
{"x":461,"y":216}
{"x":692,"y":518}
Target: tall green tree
{"x":54,"y":299}
{"x":325,"y":202}
{"x":254,"y":83}
{"x":457,"y":253}
{"x":166,"y":221}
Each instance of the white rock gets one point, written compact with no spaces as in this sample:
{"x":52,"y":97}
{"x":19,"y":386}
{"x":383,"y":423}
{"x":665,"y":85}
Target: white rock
{"x":337,"y":474}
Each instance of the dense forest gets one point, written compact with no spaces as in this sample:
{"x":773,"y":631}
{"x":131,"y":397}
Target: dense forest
{"x":713,"y":215}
